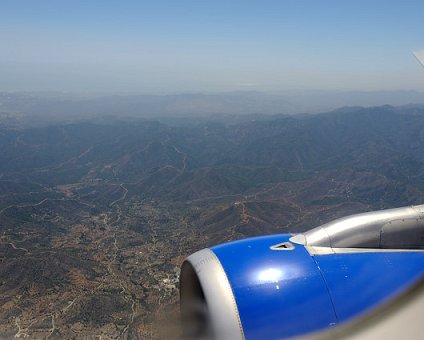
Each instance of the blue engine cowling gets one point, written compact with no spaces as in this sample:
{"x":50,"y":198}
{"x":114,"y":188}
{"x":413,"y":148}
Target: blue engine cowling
{"x":280,"y":286}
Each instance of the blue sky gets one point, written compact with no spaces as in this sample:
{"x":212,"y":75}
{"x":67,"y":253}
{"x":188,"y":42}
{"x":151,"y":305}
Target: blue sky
{"x":210,"y":46}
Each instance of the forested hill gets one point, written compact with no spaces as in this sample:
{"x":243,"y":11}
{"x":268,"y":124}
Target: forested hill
{"x":96,"y":215}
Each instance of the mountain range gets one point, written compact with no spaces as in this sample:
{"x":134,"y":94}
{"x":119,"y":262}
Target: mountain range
{"x":97,"y":213}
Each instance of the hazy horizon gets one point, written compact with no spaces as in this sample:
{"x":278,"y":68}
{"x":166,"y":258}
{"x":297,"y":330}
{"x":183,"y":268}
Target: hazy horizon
{"x":60,"y":106}
{"x":198,"y":47}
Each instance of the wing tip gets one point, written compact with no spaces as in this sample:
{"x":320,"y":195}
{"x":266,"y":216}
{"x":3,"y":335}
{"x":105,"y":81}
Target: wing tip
{"x":419,"y":55}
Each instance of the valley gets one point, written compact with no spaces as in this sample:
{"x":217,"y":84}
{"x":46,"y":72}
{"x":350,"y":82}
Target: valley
{"x":96,"y":217}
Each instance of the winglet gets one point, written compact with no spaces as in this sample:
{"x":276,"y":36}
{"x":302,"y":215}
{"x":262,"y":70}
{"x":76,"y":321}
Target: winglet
{"x":420,"y":56}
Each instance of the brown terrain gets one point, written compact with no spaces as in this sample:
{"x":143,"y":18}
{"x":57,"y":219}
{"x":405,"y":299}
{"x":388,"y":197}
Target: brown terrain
{"x":96,"y":219}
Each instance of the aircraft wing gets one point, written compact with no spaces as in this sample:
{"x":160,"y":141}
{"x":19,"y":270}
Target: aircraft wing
{"x":400,"y":318}
{"x":420,"y":56}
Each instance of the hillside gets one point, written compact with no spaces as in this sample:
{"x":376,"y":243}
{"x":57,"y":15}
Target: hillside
{"x":97,"y":215}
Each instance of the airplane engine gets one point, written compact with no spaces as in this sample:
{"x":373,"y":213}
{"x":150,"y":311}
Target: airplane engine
{"x":285,"y":285}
